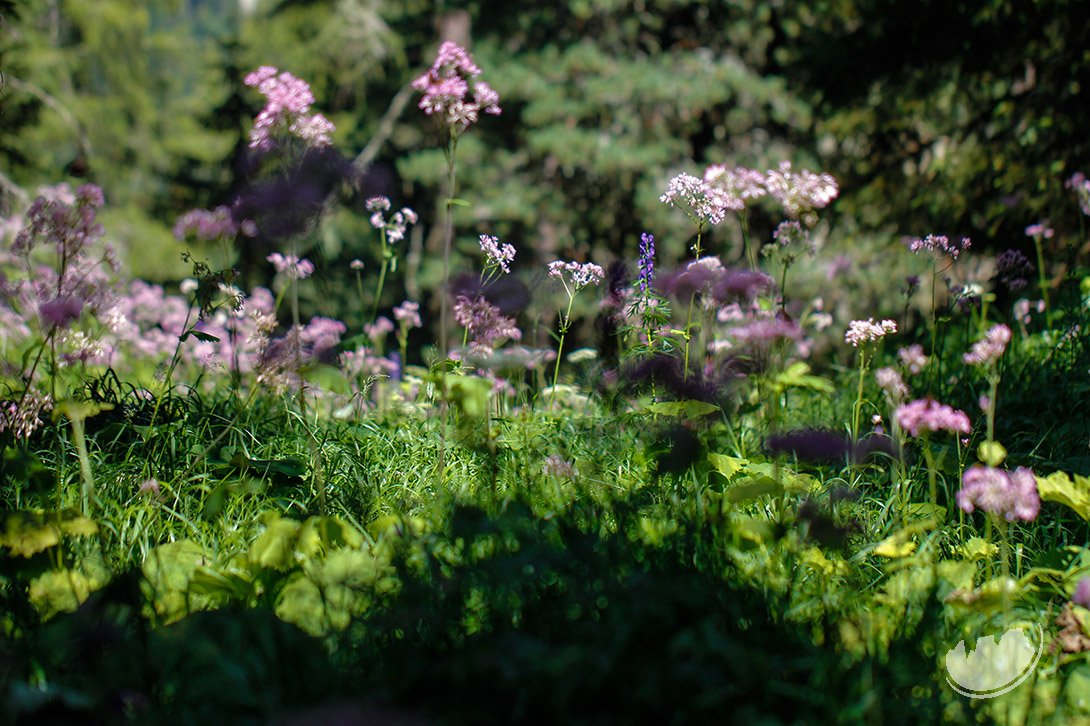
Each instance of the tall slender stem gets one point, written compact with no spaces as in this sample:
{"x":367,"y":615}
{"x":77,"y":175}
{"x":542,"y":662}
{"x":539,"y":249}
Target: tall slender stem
{"x":444,"y":343}
{"x":1041,"y":279}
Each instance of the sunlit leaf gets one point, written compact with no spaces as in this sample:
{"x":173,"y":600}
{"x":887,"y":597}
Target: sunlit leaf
{"x":300,"y":602}
{"x":692,"y":409}
{"x":753,"y":490}
{"x":28,"y":533}
{"x":73,"y":523}
{"x":275,"y":547}
{"x":58,"y":591}
{"x":1059,"y":487}
{"x":977,"y":548}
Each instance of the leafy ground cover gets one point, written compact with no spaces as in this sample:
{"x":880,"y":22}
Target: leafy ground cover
{"x":737,"y":504}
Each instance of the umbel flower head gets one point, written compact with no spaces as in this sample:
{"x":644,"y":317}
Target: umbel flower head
{"x":287,"y":105}
{"x":929,"y":414}
{"x":445,"y":87}
{"x":988,"y":351}
{"x":1010,"y":495}
{"x":867,"y":331}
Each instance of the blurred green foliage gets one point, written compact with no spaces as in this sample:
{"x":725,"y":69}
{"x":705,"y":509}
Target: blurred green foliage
{"x":953,"y":118}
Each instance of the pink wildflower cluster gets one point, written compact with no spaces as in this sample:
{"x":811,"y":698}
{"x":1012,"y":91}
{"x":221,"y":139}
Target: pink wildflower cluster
{"x":408,"y":313}
{"x":867,"y":331}
{"x":70,"y":228}
{"x":1011,"y":495}
{"x":446,"y":84}
{"x":987,"y":351}
{"x":726,"y":189}
{"x":912,"y":358}
{"x":281,"y":360}
{"x":497,"y":255}
{"x":211,"y":226}
{"x":291,"y":266}
{"x":287,"y":105}
{"x":485,"y":323}
{"x":396,"y":225}
{"x":800,"y":193}
{"x":693,"y":193}
{"x":1041,"y":229}
{"x":59,"y":294}
{"x":929,"y":414}
{"x":580,"y":275}
{"x":890,"y":381}
{"x":939,"y":244}
{"x":23,"y":418}
{"x":1081,"y":186}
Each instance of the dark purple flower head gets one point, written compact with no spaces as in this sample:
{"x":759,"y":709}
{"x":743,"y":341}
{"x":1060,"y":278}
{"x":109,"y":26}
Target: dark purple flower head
{"x":1012,"y":269}
{"x":61,"y":311}
{"x":810,"y":445}
{"x":741,"y":286}
{"x":508,"y":293}
{"x":664,"y":372}
{"x":693,"y":278}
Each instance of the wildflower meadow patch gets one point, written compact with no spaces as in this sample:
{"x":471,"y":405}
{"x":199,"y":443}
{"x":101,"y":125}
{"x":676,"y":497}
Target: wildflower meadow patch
{"x":564,"y":484}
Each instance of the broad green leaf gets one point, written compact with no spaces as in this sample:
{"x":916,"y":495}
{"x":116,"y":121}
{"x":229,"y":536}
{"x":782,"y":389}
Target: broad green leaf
{"x":797,"y":376}
{"x":728,"y":466}
{"x":753,"y":490}
{"x":918,"y":512}
{"x":58,"y":591}
{"x":220,"y":586}
{"x":987,"y":599}
{"x":896,"y":545}
{"x":171,"y":566}
{"x":471,"y":394}
{"x":78,"y":410}
{"x":682,"y":408}
{"x":328,"y":378}
{"x":28,"y":533}
{"x":300,"y":603}
{"x":274,"y":548}
{"x":320,"y":534}
{"x":1058,"y":487}
{"x":73,"y":523}
{"x":977,"y":548}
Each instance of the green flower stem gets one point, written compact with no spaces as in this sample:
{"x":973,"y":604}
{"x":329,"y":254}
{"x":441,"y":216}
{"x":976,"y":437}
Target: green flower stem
{"x":564,"y":325}
{"x":1041,"y":279}
{"x":932,"y":478}
{"x":444,"y":343}
{"x":381,"y":276}
{"x":692,"y":300}
{"x":857,"y":407}
{"x":751,"y":254}
{"x":87,"y":491}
